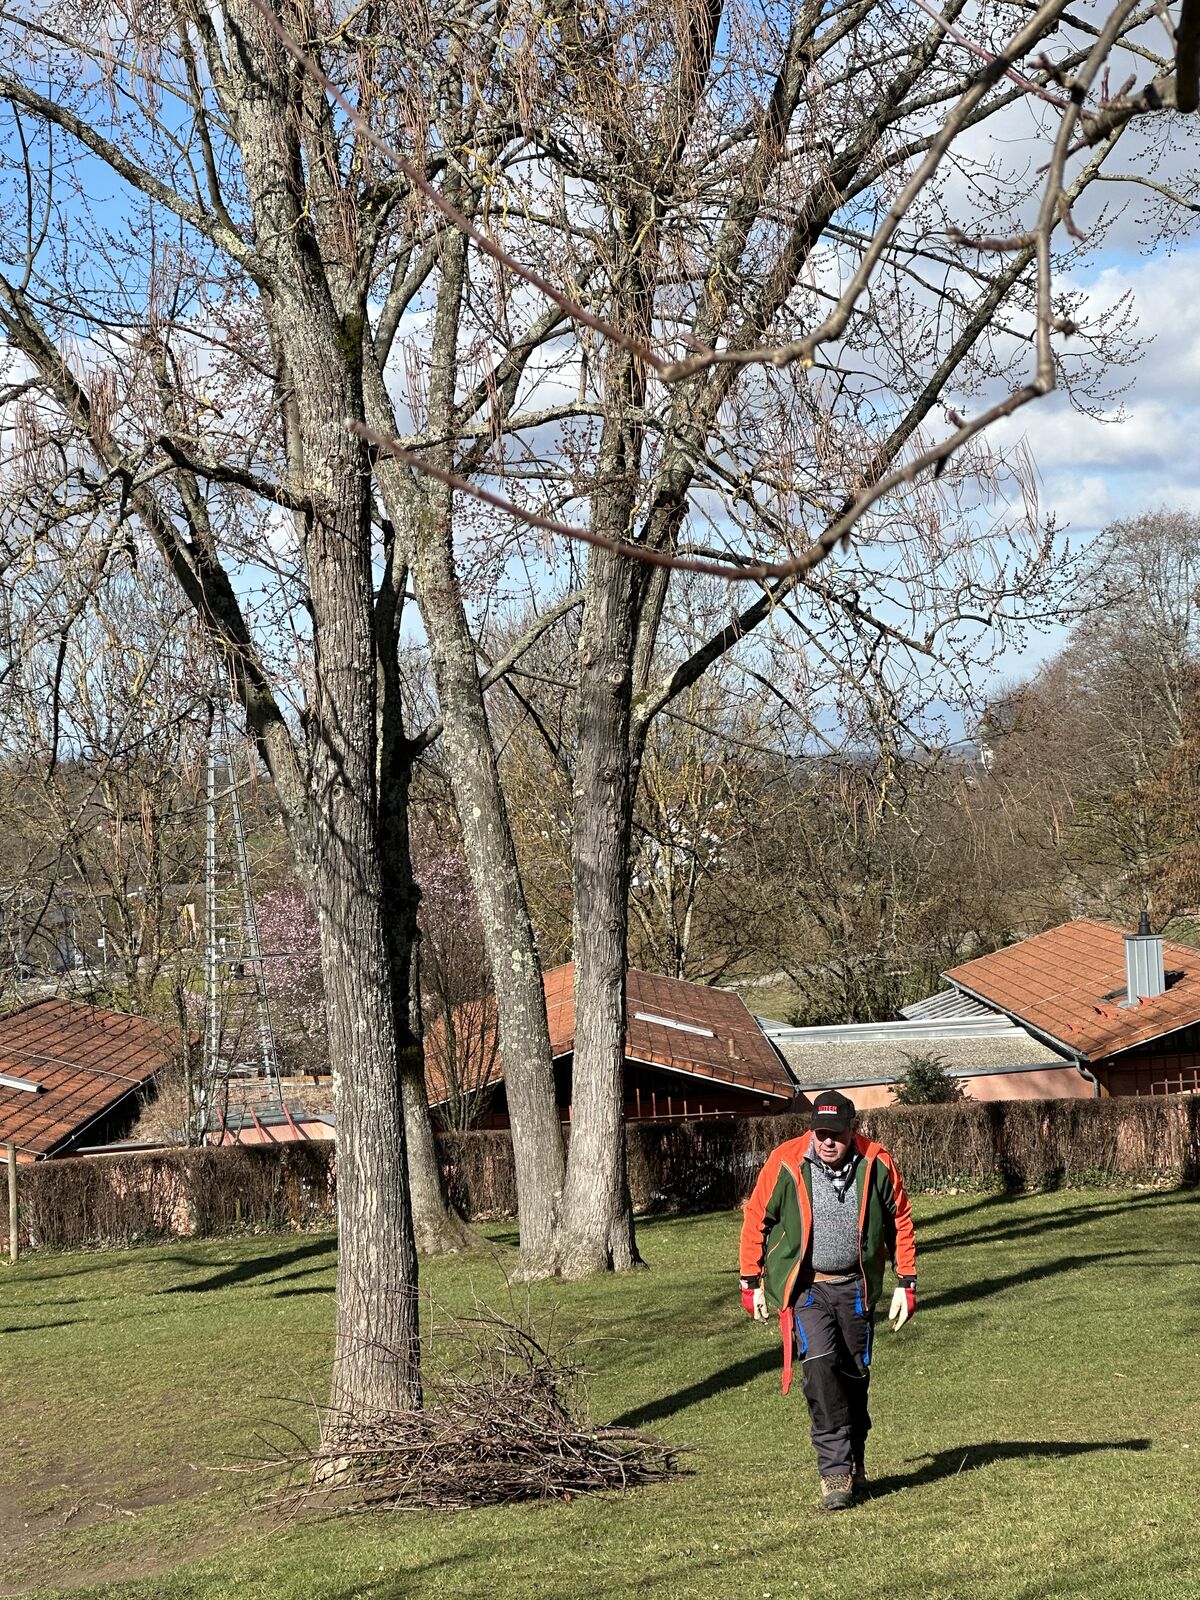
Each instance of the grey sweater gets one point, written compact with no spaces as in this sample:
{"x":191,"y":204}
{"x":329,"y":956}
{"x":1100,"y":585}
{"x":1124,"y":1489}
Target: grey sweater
{"x":835,"y":1218}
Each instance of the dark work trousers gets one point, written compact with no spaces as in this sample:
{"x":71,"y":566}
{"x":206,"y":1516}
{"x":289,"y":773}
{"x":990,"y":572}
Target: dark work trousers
{"x":833,"y":1330}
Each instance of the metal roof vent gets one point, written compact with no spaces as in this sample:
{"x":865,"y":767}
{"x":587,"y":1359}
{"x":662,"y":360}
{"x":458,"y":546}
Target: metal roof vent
{"x":1144,"y":973}
{"x":7,"y":1081}
{"x":670,"y":1022}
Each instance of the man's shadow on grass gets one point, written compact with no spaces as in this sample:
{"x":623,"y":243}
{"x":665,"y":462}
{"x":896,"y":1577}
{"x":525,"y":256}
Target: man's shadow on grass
{"x":967,"y":1458}
{"x":750,"y":1367}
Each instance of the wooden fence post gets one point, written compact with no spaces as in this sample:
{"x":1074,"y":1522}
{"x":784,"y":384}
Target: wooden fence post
{"x":12,"y":1202}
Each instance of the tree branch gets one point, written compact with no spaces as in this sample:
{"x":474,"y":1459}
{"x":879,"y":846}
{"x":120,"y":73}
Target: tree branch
{"x":224,"y":237}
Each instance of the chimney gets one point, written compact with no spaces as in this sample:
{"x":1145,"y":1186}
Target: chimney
{"x":1144,"y":975}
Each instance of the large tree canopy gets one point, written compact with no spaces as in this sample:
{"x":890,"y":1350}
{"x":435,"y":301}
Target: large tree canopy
{"x":326,"y":300}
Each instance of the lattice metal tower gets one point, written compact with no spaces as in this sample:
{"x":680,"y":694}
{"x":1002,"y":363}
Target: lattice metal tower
{"x":240,"y":1060}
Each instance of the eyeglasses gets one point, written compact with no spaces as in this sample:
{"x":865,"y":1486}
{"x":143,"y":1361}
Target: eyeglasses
{"x":829,"y":1135}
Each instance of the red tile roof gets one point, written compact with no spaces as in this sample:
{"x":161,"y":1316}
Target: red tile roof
{"x":84,"y":1061}
{"x":684,"y":1027}
{"x":1064,"y":983}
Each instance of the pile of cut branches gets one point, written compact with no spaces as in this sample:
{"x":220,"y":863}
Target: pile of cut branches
{"x":505,"y":1421}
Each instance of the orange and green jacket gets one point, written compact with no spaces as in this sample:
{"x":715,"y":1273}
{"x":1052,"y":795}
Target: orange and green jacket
{"x":777,"y":1226}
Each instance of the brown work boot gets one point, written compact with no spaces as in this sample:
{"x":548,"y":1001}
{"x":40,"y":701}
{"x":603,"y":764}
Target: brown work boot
{"x":859,"y":1484}
{"x":837,"y":1493}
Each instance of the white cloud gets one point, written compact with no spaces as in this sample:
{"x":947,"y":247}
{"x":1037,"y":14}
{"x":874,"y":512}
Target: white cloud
{"x":1083,"y":502}
{"x":1166,"y":294}
{"x":1148,"y":437}
{"x":1141,"y":453}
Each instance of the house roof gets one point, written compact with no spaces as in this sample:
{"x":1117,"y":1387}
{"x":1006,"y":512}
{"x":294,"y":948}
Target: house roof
{"x":831,"y":1063}
{"x":670,"y":1023}
{"x":1067,"y":985}
{"x":281,"y":1123}
{"x":78,"y":1062}
{"x":951,"y":1003}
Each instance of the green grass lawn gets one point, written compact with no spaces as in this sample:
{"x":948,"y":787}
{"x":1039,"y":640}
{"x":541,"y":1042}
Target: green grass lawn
{"x":1037,"y":1427}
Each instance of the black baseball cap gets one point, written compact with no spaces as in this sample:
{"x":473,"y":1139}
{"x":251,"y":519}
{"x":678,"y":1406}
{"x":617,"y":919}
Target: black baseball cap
{"x":833,"y":1110}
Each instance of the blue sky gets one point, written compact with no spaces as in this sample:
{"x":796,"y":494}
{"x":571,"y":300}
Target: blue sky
{"x":1142,"y":452}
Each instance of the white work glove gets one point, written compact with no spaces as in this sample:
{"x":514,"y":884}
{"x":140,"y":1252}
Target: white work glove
{"x":904,"y":1305}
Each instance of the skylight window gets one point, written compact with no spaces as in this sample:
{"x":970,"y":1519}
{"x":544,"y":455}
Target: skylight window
{"x":669,"y":1022}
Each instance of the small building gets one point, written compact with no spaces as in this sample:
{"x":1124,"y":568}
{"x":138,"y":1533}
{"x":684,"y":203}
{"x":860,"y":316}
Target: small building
{"x":991,"y":1058}
{"x":690,"y":1051}
{"x":73,"y":1074}
{"x":269,"y":1121}
{"x":1123,"y":1008}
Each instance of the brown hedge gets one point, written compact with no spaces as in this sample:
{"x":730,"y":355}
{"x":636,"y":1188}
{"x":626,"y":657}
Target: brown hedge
{"x":115,"y":1200}
{"x":676,"y":1166}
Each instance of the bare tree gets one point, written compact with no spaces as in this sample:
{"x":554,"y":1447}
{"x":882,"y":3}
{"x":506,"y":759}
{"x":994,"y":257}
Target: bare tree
{"x":714,"y":276}
{"x":717,"y":230}
{"x":104,"y":779}
{"x":1093,"y":758}
{"x":221,"y":318}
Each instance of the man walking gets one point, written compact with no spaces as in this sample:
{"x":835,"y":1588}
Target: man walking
{"x":827,"y":1211}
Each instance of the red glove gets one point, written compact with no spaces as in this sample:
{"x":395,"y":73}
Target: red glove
{"x":904,"y":1304}
{"x":754,"y":1299}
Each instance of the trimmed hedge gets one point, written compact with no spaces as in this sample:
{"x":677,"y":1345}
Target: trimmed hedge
{"x":705,"y":1165}
{"x":711,"y":1164}
{"x":161,"y":1194}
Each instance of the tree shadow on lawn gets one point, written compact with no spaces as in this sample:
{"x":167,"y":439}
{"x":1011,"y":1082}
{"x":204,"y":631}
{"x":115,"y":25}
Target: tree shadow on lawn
{"x":982,"y":1202}
{"x":255,"y":1267}
{"x":730,"y":1377}
{"x":966,"y":1458}
{"x":1078,"y":1216}
{"x":36,"y":1327}
{"x":750,"y":1367}
{"x":981,"y":1288}
{"x":412,"y":1581}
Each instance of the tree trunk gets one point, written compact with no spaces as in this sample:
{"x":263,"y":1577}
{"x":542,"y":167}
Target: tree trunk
{"x":377,"y":1354}
{"x":487,"y":839}
{"x":504,"y":918}
{"x":597,"y":1226}
{"x":437,"y":1227}
{"x":377,"y":1350}
{"x":597,"y":1230}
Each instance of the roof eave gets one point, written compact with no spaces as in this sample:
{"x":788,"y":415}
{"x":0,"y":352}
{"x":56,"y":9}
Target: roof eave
{"x":61,"y":1146}
{"x":1073,"y":1051}
{"x":1050,"y":1040}
{"x":1149,"y":1038}
{"x":563,"y":1048}
{"x":710,"y":1077}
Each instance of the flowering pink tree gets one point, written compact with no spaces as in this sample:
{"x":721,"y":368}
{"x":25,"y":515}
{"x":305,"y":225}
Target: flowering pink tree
{"x":287,"y":926}
{"x":456,"y":989}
